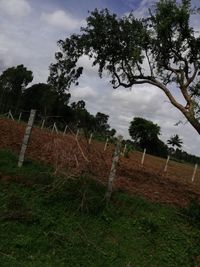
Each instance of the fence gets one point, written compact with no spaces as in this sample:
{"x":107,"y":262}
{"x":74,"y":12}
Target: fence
{"x":68,"y":148}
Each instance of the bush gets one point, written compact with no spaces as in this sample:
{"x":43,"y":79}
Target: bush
{"x":192,"y":212}
{"x":81,"y":193}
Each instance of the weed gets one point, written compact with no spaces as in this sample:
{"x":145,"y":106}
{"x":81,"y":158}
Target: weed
{"x":192,"y":212}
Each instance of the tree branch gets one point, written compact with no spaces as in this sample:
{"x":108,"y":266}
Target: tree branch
{"x":150,"y":67}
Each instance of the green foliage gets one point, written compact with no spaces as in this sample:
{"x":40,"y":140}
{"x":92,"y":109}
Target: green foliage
{"x":13,"y":82}
{"x":175,"y":141}
{"x":83,"y":193}
{"x":131,"y":231}
{"x":121,"y":45}
{"x":145,"y":133}
{"x":185,"y":157}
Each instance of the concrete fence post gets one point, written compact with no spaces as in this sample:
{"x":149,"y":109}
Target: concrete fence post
{"x":143,"y":156}
{"x":113,"y":168}
{"x":19,"y":116}
{"x":65,"y":130}
{"x":90,"y":140}
{"x":26,"y":137}
{"x":106,"y":144}
{"x":77,"y":133}
{"x":124,"y":151}
{"x":54,"y":128}
{"x":10,"y":115}
{"x":194,"y":172}
{"x":166,"y":164}
{"x":42,"y":126}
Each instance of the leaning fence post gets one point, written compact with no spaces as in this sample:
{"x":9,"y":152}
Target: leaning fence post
{"x":54,"y":128}
{"x":90,"y":140}
{"x":105,"y":145}
{"x":166,"y":164}
{"x":42,"y":126}
{"x":19,"y":116}
{"x":124,"y":151}
{"x":26,"y":137}
{"x":113,"y":168}
{"x":65,"y":130}
{"x":194,"y":172}
{"x":77,"y":134}
{"x":10,"y":115}
{"x":143,"y":156}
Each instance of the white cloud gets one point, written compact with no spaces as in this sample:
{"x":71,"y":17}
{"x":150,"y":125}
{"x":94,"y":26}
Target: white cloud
{"x":15,"y":8}
{"x":83,"y":92}
{"x":61,"y":19}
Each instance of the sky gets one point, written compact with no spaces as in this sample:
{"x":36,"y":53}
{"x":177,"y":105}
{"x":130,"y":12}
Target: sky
{"x":29,"y":31}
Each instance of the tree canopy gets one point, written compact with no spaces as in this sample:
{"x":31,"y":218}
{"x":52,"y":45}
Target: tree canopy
{"x":175,"y":141}
{"x":162,"y":50}
{"x":13,"y":82}
{"x":145,"y":133}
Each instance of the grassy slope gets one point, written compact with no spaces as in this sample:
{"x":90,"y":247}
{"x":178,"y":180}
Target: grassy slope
{"x":55,"y":232}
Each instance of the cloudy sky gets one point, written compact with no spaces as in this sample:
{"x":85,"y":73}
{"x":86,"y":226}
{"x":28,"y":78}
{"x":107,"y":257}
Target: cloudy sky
{"x":29,"y":30}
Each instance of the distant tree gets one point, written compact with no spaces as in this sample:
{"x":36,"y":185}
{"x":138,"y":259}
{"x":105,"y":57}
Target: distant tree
{"x":161,"y":50}
{"x":101,"y":123}
{"x":175,"y":141}
{"x":13,"y":82}
{"x":81,"y":117}
{"x":40,"y":97}
{"x":145,"y":133}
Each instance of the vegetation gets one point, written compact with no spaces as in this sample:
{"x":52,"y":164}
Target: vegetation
{"x":45,"y":225}
{"x":51,"y":104}
{"x":175,"y":141}
{"x":121,"y":45}
{"x":145,"y":134}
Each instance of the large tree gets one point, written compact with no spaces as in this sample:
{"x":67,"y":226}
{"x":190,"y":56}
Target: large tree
{"x":13,"y":81}
{"x":145,"y":133}
{"x":162,"y":50}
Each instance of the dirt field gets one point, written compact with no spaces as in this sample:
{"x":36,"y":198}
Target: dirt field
{"x":68,"y":155}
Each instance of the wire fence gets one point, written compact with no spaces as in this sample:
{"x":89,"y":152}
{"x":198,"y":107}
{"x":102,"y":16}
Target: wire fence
{"x":69,"y":149}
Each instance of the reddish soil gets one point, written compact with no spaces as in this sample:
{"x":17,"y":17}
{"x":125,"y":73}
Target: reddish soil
{"x":68,"y":155}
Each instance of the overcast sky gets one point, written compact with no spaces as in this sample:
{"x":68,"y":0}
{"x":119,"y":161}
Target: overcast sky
{"x":29,"y":30}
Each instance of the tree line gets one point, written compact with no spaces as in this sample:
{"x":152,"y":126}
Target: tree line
{"x":54,"y":105}
{"x":51,"y":104}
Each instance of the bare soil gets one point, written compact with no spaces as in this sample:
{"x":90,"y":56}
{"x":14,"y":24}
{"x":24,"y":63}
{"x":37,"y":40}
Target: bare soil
{"x":71,"y":156}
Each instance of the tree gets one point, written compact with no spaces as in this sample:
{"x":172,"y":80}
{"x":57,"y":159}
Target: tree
{"x":40,"y":97}
{"x":175,"y":141}
{"x":162,"y":50}
{"x":145,"y":133}
{"x":101,"y":123}
{"x":13,"y":82}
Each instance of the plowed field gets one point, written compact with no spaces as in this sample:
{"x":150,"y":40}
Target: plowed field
{"x":68,"y":155}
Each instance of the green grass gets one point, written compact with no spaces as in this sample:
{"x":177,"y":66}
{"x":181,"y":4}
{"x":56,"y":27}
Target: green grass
{"x":70,"y":225}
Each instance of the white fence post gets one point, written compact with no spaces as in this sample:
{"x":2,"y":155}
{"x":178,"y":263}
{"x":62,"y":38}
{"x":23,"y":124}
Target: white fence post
{"x":113,"y":168}
{"x":194,"y":172}
{"x":106,"y":144}
{"x":19,"y":116}
{"x":166,"y":164}
{"x":124,"y":151}
{"x":42,"y":126}
{"x":10,"y":115}
{"x":77,"y":133}
{"x":90,"y":140}
{"x":54,"y":128}
{"x":143,"y":156}
{"x":65,"y":129}
{"x":26,"y":137}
